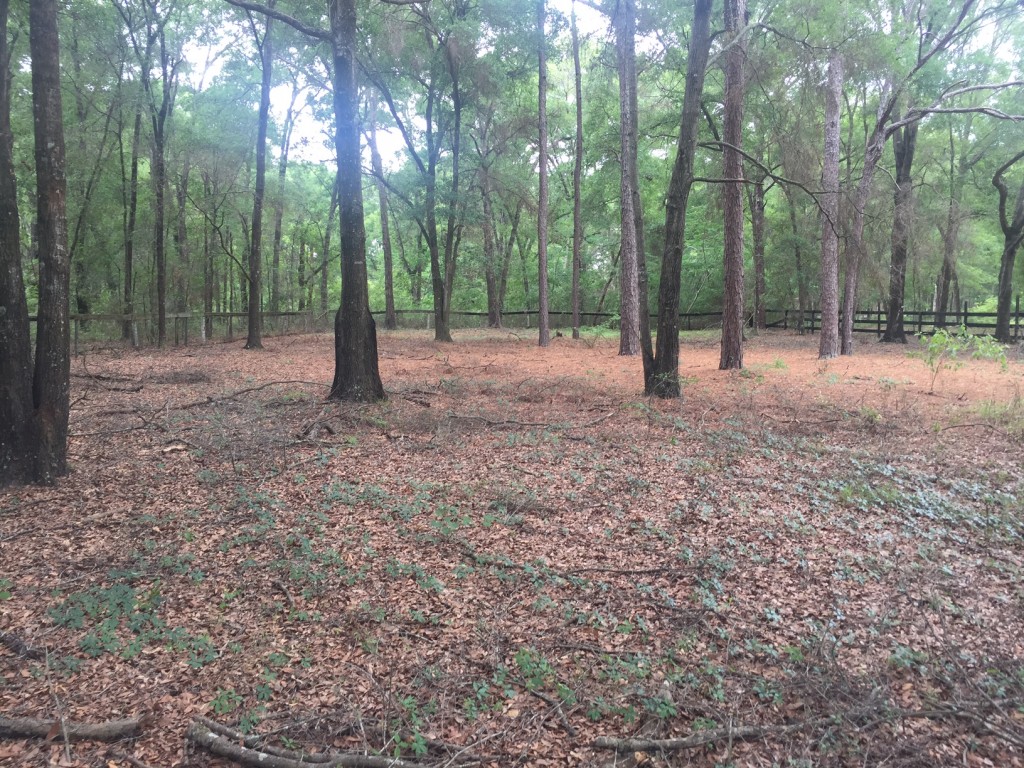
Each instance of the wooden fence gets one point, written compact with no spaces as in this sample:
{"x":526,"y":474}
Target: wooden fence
{"x":186,"y":328}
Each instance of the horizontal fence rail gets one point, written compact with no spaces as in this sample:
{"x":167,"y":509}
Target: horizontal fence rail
{"x":184,"y":328}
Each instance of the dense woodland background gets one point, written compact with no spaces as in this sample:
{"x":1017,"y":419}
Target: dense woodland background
{"x":162,"y":107}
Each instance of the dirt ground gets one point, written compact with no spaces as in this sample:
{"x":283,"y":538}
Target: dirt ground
{"x":518,"y":559}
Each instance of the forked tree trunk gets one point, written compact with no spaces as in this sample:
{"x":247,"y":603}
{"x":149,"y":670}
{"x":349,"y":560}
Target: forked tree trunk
{"x":732,"y":167}
{"x":904,"y":144}
{"x":661,"y":373}
{"x":1013,"y":234}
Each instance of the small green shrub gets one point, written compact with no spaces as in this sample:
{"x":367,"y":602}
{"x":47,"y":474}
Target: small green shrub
{"x":944,"y":350}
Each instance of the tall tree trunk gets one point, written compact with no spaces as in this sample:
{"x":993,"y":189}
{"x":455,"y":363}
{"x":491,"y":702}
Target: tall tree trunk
{"x":802,"y":291}
{"x":492,"y":266}
{"x":757,"y":227}
{"x":183,"y":270}
{"x":544,"y":331}
{"x":828,"y":345}
{"x":577,"y":176}
{"x":265,"y":47}
{"x":282,"y":172}
{"x":732,"y":167}
{"x":356,"y":372}
{"x":904,"y":144}
{"x":324,"y":268}
{"x":1013,"y":234}
{"x":661,"y":374}
{"x":16,"y":406}
{"x":130,"y":216}
{"x":453,"y":229}
{"x":624,"y":22}
{"x":52,"y":375}
{"x":390,"y":318}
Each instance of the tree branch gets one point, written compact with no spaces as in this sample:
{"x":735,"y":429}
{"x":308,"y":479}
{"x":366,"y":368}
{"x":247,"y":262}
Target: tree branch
{"x":314,"y":32}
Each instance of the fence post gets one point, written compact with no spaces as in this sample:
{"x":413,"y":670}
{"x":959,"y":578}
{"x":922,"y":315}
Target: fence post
{"x":1016,"y":318}
{"x":920,"y":323}
{"x":76,"y":334}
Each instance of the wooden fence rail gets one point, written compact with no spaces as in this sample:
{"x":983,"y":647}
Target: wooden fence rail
{"x":184,"y":327}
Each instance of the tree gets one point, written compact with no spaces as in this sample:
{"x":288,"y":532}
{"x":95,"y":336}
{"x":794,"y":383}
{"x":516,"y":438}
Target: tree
{"x":732,"y":166}
{"x":577,"y":175}
{"x":904,"y":145}
{"x":1012,"y":225}
{"x":661,"y":370}
{"x":828,"y":345}
{"x":356,"y":368}
{"x":631,"y":302}
{"x":543,"y":331}
{"x":265,"y":49}
{"x":35,"y":404}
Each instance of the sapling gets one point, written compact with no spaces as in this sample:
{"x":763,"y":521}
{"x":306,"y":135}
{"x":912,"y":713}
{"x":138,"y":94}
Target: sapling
{"x":944,"y":350}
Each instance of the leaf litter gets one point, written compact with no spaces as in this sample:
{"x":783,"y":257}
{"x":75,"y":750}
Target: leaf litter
{"x":520,"y":560}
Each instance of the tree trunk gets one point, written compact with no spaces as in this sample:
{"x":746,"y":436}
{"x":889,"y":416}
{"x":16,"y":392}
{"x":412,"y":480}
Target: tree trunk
{"x":356,"y":373}
{"x":828,"y":345}
{"x":182,"y":273}
{"x":390,"y":318}
{"x":661,"y":374}
{"x":265,"y":47}
{"x":492,"y":266}
{"x":130,"y":216}
{"x":52,"y":376}
{"x":624,"y":22}
{"x":732,"y":167}
{"x":802,"y":290}
{"x":544,"y":331}
{"x":282,"y":172}
{"x":904,"y":144}
{"x":757,"y":227}
{"x":1013,"y":235}
{"x":16,"y":406}
{"x":577,"y":175}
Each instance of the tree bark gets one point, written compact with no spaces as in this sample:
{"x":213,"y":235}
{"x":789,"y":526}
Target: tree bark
{"x":661,"y":373}
{"x":1012,"y":226}
{"x":282,"y":173}
{"x":577,"y":176}
{"x":390,"y":318}
{"x":265,"y":47}
{"x":52,"y":376}
{"x":356,"y":373}
{"x":732,"y":167}
{"x":828,"y":345}
{"x":544,"y":332}
{"x":624,"y":21}
{"x":130,"y":217}
{"x":16,"y":405}
{"x":757,"y":232}
{"x":904,"y":144}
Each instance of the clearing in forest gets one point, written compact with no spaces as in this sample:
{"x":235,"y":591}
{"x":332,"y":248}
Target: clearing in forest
{"x":518,"y":559}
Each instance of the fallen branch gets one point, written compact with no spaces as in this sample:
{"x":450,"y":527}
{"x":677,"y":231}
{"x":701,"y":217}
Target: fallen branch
{"x":19,"y":647}
{"x":30,"y":727}
{"x":225,"y":742}
{"x":537,"y":424}
{"x":739,"y":733}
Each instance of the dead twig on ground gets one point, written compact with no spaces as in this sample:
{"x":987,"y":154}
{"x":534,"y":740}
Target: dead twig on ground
{"x":233,"y":745}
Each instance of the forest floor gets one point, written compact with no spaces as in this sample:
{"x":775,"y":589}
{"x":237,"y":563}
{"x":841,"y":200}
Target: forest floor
{"x":518,"y":554}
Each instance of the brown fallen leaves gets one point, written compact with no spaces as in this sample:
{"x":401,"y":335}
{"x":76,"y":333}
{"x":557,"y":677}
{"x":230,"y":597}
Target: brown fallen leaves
{"x":517,"y":559}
